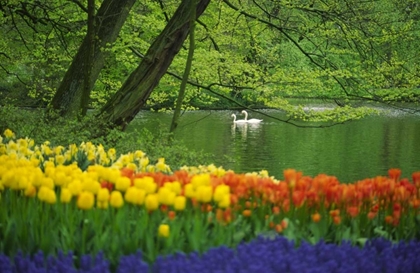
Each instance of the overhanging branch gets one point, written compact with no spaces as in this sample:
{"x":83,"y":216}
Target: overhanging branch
{"x":209,"y":89}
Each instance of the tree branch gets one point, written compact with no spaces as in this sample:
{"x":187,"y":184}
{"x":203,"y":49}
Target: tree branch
{"x":211,"y":90}
{"x":13,"y":74}
{"x":80,"y":5}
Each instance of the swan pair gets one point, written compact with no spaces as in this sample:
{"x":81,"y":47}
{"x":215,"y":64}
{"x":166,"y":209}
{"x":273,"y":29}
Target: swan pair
{"x":246,"y":120}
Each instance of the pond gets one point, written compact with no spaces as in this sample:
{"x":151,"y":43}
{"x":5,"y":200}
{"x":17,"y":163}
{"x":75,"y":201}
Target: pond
{"x":350,"y":151}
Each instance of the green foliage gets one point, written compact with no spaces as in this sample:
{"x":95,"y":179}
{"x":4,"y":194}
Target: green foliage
{"x":257,"y":54}
{"x":60,"y":131}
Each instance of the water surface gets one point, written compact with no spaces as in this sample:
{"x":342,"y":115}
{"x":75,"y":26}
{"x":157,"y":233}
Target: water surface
{"x":351,"y":151}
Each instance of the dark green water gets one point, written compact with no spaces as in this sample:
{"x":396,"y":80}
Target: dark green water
{"x":352,"y":151}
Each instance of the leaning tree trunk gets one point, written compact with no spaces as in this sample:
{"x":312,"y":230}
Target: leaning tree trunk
{"x":108,"y":21}
{"x":133,"y":94}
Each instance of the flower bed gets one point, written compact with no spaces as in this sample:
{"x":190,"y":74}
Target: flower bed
{"x":85,"y":200}
{"x":260,"y":255}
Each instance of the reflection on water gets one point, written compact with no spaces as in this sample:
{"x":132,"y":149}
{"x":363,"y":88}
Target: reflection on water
{"x":352,"y":151}
{"x":243,"y":128}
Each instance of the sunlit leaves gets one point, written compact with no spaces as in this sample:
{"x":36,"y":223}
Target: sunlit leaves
{"x":259,"y":52}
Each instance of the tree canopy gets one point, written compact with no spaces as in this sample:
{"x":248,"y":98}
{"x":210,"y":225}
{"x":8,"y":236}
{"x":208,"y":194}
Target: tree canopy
{"x":255,"y":53}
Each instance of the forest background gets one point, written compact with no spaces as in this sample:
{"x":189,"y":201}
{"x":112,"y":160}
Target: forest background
{"x":119,"y":57}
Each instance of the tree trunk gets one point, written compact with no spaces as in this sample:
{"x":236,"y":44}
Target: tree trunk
{"x":90,"y":36}
{"x":187,"y":70}
{"x":108,"y":21}
{"x":126,"y":103}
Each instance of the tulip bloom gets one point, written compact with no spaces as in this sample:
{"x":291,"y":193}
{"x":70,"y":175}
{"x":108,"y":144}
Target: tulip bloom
{"x":103,"y":195}
{"x":353,"y":211}
{"x":180,"y":202}
{"x":204,"y":194}
{"x":85,"y":200}
{"x":220,"y":192}
{"x":146,"y":183}
{"x":65,"y":195}
{"x":247,"y":213}
{"x":122,"y":183}
{"x":316,"y":217}
{"x":135,"y":195}
{"x":164,"y":230}
{"x":151,"y":202}
{"x":225,"y":202}
{"x":166,"y":196}
{"x":116,"y":200}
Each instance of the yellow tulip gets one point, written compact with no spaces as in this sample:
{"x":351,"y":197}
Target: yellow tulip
{"x":204,"y":194}
{"x":91,"y":185}
{"x":180,"y":202}
{"x":116,"y":199}
{"x":166,"y":196}
{"x":22,"y":182}
{"x":147,"y":183}
{"x":200,"y":180}
{"x":103,"y":195}
{"x":122,"y":183}
{"x":225,"y":201}
{"x":152,"y":202}
{"x":75,"y":187}
{"x":65,"y":195}
{"x":220,"y":191}
{"x":47,"y":195}
{"x":135,"y":196}
{"x":189,"y":191}
{"x":47,"y":182}
{"x":42,"y":193}
{"x":30,"y":190}
{"x":163,"y":230}
{"x":102,"y":204}
{"x":173,"y":186}
{"x":85,"y":200}
{"x":61,"y":179}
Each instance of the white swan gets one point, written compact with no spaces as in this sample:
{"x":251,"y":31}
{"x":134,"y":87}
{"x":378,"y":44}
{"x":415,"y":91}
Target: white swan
{"x":237,"y":121}
{"x":253,"y":120}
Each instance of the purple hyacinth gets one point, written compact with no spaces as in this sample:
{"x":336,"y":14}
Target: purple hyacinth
{"x":132,"y":264}
{"x":260,"y":255}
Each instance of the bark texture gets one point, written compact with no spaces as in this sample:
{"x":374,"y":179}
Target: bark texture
{"x":126,"y":103}
{"x":108,"y":21}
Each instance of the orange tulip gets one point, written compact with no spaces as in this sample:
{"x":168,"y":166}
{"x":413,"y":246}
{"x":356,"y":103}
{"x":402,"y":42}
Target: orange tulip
{"x":353,"y":211}
{"x":171,"y":215}
{"x":284,"y":224}
{"x":371,"y":215}
{"x":416,"y":179}
{"x":394,"y":174}
{"x":298,"y":198}
{"x":316,"y":217}
{"x":276,"y":210}
{"x":389,"y":219}
{"x":337,"y":220}
{"x":334,"y":213}
{"x":247,"y":213}
{"x":291,"y":176}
